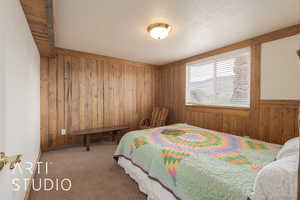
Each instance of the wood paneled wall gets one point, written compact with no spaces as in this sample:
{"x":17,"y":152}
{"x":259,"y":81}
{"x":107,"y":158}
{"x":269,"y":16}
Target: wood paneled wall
{"x":81,"y":91}
{"x":269,"y":120}
{"x":272,"y":120}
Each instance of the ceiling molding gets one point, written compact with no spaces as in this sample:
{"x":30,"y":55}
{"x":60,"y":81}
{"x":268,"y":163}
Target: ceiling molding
{"x":278,"y":34}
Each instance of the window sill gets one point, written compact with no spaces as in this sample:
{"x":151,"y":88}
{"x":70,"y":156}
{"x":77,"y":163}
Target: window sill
{"x":227,"y":110}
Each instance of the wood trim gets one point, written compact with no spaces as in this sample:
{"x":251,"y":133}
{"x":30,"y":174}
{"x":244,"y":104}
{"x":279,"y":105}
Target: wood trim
{"x":293,"y":103}
{"x":80,"y":54}
{"x":254,"y":82}
{"x":231,"y":47}
{"x":278,"y":34}
{"x":39,"y":15}
{"x":244,"y":112}
{"x":50,"y":25}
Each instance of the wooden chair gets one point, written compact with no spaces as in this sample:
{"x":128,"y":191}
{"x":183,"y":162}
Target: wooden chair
{"x":158,"y":118}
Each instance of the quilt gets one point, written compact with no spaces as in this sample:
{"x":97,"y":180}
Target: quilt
{"x":195,"y":163}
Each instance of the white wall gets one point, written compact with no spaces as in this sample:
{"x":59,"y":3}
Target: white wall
{"x":280,"y":77}
{"x":3,"y":173}
{"x":20,"y":63}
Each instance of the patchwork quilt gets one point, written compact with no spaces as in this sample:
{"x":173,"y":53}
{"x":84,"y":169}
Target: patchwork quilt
{"x":195,"y":163}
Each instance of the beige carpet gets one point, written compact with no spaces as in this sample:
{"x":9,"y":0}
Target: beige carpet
{"x":94,"y":174}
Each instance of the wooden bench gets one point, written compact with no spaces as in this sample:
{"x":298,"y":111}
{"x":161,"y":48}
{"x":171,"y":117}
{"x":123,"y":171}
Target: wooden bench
{"x":85,"y":134}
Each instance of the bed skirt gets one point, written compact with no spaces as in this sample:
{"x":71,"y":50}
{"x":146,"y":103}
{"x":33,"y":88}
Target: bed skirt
{"x":153,"y":189}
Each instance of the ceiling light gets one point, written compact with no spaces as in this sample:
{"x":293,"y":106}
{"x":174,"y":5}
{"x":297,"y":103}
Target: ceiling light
{"x":159,"y":31}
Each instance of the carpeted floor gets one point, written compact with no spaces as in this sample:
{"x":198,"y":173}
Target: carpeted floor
{"x":94,"y":174}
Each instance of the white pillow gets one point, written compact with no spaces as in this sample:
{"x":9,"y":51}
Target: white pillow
{"x":291,"y":147}
{"x":277,"y":180}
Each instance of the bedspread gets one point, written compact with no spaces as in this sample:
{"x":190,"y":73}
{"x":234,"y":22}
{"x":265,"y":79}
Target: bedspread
{"x":198,"y":164}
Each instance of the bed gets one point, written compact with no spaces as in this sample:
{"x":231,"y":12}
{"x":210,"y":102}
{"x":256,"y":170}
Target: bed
{"x":193,"y":163}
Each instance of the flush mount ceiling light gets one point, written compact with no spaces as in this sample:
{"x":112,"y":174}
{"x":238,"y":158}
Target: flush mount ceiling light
{"x":159,"y":31}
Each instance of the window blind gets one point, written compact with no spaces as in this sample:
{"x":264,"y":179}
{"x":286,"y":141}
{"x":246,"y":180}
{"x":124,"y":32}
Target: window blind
{"x":222,"y":80}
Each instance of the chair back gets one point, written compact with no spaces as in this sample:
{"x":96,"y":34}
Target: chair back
{"x":159,"y":116}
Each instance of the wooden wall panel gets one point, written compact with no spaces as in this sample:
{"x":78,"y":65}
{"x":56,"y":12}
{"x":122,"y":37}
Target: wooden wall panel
{"x":130,"y":109}
{"x":278,"y":120}
{"x":81,"y":91}
{"x":272,"y":120}
{"x":60,"y":99}
{"x":52,"y":103}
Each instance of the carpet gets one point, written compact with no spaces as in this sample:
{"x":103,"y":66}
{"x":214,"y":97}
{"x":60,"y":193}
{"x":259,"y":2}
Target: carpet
{"x":94,"y":175}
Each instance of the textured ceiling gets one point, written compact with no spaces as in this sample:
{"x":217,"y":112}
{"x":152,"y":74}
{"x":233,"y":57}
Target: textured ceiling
{"x":118,"y":28}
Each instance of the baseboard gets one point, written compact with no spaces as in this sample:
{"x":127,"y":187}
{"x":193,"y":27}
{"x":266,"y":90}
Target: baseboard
{"x":62,"y":147}
{"x":92,"y":141}
{"x":27,"y":193}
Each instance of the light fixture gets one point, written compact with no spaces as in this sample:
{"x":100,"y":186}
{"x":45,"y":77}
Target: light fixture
{"x":159,"y":31}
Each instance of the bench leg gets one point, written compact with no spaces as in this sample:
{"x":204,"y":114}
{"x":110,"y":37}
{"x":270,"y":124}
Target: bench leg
{"x":86,"y":142}
{"x":119,"y":136}
{"x":114,"y":136}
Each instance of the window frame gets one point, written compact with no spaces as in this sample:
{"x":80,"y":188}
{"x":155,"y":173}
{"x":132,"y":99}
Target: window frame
{"x":215,"y":57}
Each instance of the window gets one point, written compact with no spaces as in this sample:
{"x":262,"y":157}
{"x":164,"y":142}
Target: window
{"x":222,"y":80}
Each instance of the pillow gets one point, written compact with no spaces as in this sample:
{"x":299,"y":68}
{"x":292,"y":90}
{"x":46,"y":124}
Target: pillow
{"x":289,"y":148}
{"x":277,"y":180}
